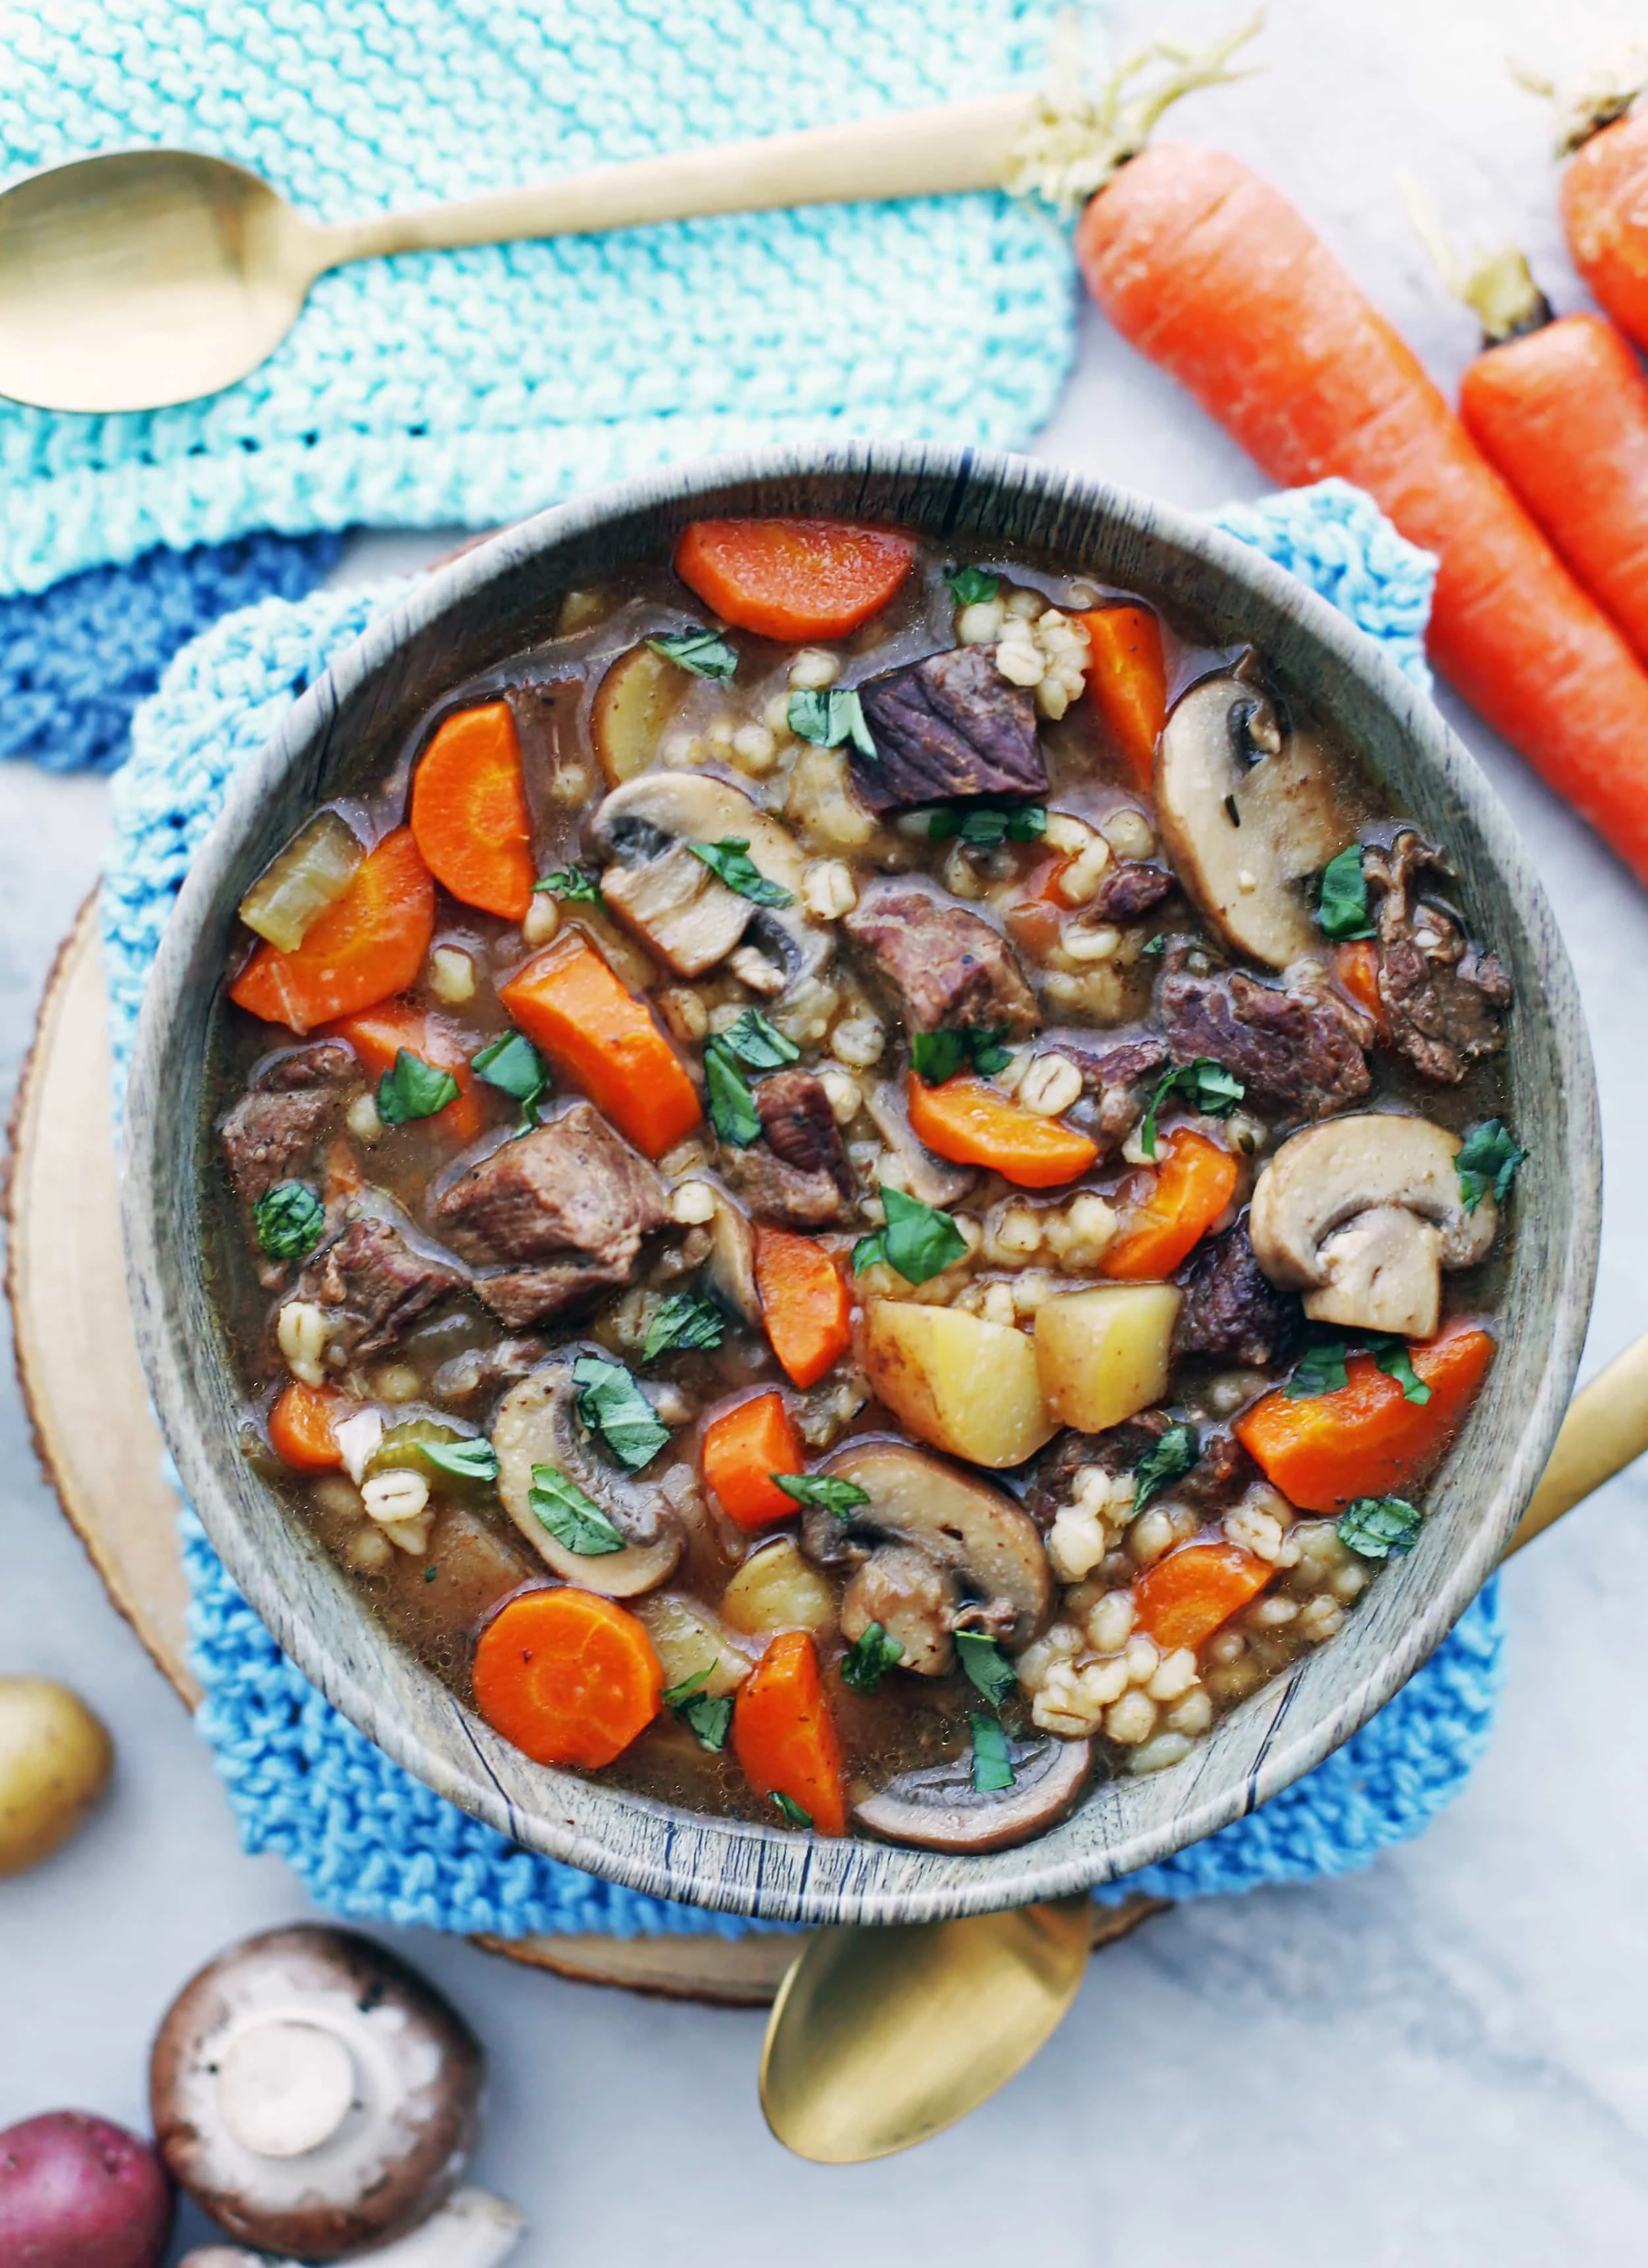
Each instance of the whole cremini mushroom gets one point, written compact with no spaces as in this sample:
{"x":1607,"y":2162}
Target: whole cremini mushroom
{"x":55,"y":1758}
{"x":312,"y":2095}
{"x":78,"y":2192}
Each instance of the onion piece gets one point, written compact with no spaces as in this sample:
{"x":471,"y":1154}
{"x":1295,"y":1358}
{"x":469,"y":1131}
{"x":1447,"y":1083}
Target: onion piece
{"x":310,"y":874}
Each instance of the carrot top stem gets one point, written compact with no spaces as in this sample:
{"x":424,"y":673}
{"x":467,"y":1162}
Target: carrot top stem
{"x":1600,"y":98}
{"x":1498,"y":287}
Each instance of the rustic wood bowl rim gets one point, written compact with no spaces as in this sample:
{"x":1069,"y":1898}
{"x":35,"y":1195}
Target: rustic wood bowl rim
{"x":1283,"y":1730}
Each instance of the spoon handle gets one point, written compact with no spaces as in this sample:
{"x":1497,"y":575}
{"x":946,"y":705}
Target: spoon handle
{"x":913,"y":153}
{"x":1606,"y":1429}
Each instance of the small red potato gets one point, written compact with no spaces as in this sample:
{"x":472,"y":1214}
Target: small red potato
{"x":78,"y":2192}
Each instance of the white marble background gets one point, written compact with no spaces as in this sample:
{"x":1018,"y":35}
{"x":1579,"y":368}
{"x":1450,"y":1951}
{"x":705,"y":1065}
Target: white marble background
{"x":1442,"y":2061}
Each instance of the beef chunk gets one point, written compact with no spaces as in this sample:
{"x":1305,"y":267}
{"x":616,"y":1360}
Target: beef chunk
{"x":941,"y":965}
{"x":1231,"y":1310}
{"x":1120,"y":1078}
{"x":373,"y":1286}
{"x":1117,"y":1451}
{"x":1221,"y":1474}
{"x":798,"y":1173}
{"x":274,"y":1131}
{"x":1444,"y":996}
{"x":553,"y":1216}
{"x":1299,"y":1054}
{"x":949,"y":726}
{"x":1129,"y":887}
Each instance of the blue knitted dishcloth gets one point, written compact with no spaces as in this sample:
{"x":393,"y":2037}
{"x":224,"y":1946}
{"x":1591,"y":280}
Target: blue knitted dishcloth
{"x":368,"y":1840}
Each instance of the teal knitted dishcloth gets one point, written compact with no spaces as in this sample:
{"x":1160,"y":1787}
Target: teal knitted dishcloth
{"x":476,"y":386}
{"x":369,"y":1841}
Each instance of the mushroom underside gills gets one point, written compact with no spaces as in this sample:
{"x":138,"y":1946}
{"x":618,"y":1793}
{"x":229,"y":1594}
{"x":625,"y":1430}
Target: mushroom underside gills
{"x":939,"y":1808}
{"x":537,"y":1424}
{"x":931,"y":1178}
{"x":730,"y":1269}
{"x":472,"y":2230}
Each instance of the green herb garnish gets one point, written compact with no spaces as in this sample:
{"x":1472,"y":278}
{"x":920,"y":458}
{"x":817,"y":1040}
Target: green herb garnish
{"x":732,"y":1111}
{"x":758,"y":1043}
{"x":613,"y":1405}
{"x":684,"y":1323}
{"x":919,"y":1242}
{"x":709,"y":1715}
{"x":730,"y":858}
{"x":1152,"y":945}
{"x":842,"y":1497}
{"x":1377,"y":1526}
{"x":474,"y":1460}
{"x":705,"y":652}
{"x":1487,"y":1159}
{"x":576,"y":1523}
{"x":936,"y":1056}
{"x":430,"y":1573}
{"x":412,"y":1088}
{"x":1320,"y":1369}
{"x":986,"y":1667}
{"x":514,"y":1067}
{"x":1207,"y":1084}
{"x":827,"y":718}
{"x":986,"y":826}
{"x":1164,"y":1462}
{"x":573,"y":885}
{"x":289,"y":1219}
{"x":992,"y":1766}
{"x":1342,"y":910}
{"x":789,"y":1810}
{"x":972,"y":587}
{"x":869,"y":1658}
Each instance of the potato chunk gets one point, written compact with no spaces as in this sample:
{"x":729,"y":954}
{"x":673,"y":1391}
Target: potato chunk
{"x":688,"y":1638}
{"x":776,"y":1590}
{"x":1104,"y":1355}
{"x":958,"y":1383}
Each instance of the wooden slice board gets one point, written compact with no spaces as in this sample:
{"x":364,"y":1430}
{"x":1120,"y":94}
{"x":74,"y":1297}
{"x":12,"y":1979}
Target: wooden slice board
{"x":96,"y":1439}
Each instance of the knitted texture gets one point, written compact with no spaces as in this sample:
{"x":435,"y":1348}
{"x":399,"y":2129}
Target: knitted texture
{"x":368,"y":1840}
{"x":478,"y":386}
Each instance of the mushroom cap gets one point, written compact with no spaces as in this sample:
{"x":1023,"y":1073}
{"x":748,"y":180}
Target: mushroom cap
{"x":1243,"y":827}
{"x":730,"y":1267}
{"x":938,"y":1807}
{"x":251,"y":2118}
{"x":537,"y":1424}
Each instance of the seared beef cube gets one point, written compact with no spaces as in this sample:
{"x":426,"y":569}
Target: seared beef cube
{"x":1444,"y":996}
{"x":274,"y":1131}
{"x":1123,"y":1079}
{"x":940,"y":965}
{"x":1297,"y":1055}
{"x":949,"y":726}
{"x":1231,"y":1310}
{"x":1129,"y":887}
{"x":798,"y":1173}
{"x":1118,"y":1450}
{"x":558,"y":1213}
{"x":373,"y":1286}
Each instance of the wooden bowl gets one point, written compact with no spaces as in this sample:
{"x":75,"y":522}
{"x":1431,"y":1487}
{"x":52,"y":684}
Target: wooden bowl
{"x":352,"y":725}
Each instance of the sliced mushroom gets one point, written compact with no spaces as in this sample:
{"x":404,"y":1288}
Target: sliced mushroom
{"x":939,"y":1808}
{"x":931,"y":1179}
{"x":1362,"y":1214}
{"x":939,"y":1542}
{"x":537,"y":1424}
{"x":1245,"y":812}
{"x":730,"y":1269}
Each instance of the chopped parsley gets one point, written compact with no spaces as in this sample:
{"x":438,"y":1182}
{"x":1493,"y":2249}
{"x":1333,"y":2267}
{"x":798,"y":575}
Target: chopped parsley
{"x":576,"y":1522}
{"x":1206,"y":1085}
{"x":936,"y":1056}
{"x":706,"y":654}
{"x":290,"y":1220}
{"x":474,"y":1460}
{"x":758,"y":1043}
{"x":613,"y":1405}
{"x":573,"y":885}
{"x":1341,"y":908}
{"x":1320,"y":1369}
{"x":686,"y":1323}
{"x":1164,"y":1462}
{"x":827,"y":718}
{"x":709,"y":1715}
{"x":869,"y":1658}
{"x":732,"y":1111}
{"x":1377,"y":1526}
{"x":986,"y":1667}
{"x":986,"y":826}
{"x":842,"y":1497}
{"x":972,"y":587}
{"x":992,"y":1766}
{"x":1152,"y":945}
{"x":918,"y":1242}
{"x":730,"y":858}
{"x":1487,"y":1159}
{"x":514,"y":1067}
{"x":790,"y":1811}
{"x":412,"y":1088}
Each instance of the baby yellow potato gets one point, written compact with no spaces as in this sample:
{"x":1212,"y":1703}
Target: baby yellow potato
{"x":777,"y":1589}
{"x":688,"y":1638}
{"x":55,"y":1758}
{"x":1104,"y":1355}
{"x":959,"y":1382}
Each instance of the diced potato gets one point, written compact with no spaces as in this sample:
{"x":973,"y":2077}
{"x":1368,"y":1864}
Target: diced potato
{"x":777,"y":1589}
{"x":1104,"y":1355}
{"x":958,"y":1383}
{"x":636,"y":698}
{"x":687,"y":1637}
{"x":311,"y":873}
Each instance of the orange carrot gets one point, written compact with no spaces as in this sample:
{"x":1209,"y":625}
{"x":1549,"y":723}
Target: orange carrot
{"x":1195,"y":1180}
{"x":784,"y":1737}
{"x":470,"y":811}
{"x":793,"y":578}
{"x":1356,"y":965}
{"x":1035,"y":919}
{"x":592,"y":1027}
{"x":742,"y":1449}
{"x":1366,"y":1439}
{"x":566,"y":1677}
{"x":301,"y":1427}
{"x":971,"y":1125}
{"x":1183,"y":1600}
{"x":1127,"y":683}
{"x":368,"y":943}
{"x":805,"y":1304}
{"x":379,"y":1035}
{"x":1212,"y":273}
{"x":1604,"y":214}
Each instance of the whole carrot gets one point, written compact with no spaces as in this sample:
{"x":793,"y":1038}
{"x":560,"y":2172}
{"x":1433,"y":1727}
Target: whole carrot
{"x":1604,"y":195}
{"x":1209,"y":271}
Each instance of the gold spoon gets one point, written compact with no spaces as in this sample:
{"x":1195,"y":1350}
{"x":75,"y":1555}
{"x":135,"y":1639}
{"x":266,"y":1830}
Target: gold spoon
{"x":882,"y":2037}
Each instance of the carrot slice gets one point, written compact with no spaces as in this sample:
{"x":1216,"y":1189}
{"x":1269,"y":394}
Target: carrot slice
{"x":742,"y":1449}
{"x":805,"y":1304}
{"x":970,"y":1124}
{"x":1195,"y":1180}
{"x":369,"y":944}
{"x":566,"y":1677}
{"x":1183,"y":1600}
{"x":592,"y":1027}
{"x":470,"y":811}
{"x":793,"y":578}
{"x":1356,"y":965}
{"x":301,"y":1427}
{"x":1127,"y":683}
{"x":784,"y":1737}
{"x":379,"y":1035}
{"x":1366,"y":1439}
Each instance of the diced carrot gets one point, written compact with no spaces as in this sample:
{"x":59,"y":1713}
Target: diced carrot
{"x":367,"y":946}
{"x":1183,"y":1600}
{"x":793,"y":578}
{"x":301,"y":1427}
{"x":1127,"y":683}
{"x":804,"y":1303}
{"x":470,"y":811}
{"x":1367,"y":1439}
{"x":742,"y":1449}
{"x":1195,"y":1180}
{"x":1356,"y":965}
{"x":567,"y":1677}
{"x":379,"y":1035}
{"x":971,"y":1125}
{"x":784,"y":1737}
{"x":592,"y":1027}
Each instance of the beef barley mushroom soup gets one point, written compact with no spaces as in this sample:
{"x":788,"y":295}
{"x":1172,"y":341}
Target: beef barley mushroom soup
{"x":868,"y":1186}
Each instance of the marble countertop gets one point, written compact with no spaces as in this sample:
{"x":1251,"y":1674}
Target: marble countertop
{"x":1444,"y":2059}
